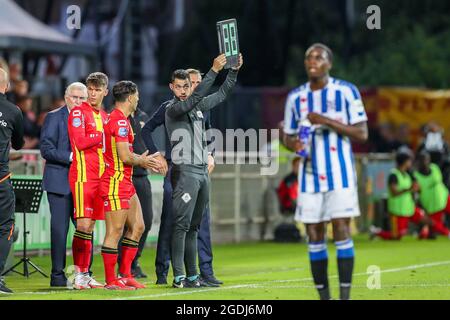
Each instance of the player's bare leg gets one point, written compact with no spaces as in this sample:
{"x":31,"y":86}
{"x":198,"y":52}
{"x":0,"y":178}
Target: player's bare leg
{"x":135,"y":228}
{"x":82,"y":252}
{"x":115,"y":222}
{"x":345,"y":254}
{"x":318,"y":257}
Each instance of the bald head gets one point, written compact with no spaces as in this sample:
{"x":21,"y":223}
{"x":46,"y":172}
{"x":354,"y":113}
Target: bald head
{"x":4,"y":81}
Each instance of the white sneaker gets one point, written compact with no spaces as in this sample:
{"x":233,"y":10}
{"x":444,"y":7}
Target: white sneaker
{"x":81,"y":282}
{"x":94,"y":284}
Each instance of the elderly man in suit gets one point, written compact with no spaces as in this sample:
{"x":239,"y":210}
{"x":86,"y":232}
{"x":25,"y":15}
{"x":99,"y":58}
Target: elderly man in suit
{"x":55,"y":149}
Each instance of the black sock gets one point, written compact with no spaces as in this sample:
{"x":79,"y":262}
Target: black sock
{"x":319,"y":271}
{"x":345,"y":262}
{"x":319,"y":268}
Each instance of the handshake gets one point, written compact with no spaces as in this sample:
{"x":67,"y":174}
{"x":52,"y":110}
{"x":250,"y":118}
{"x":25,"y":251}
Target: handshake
{"x":155,"y":162}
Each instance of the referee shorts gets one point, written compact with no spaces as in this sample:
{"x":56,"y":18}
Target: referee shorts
{"x":325,"y":206}
{"x":87,"y":201}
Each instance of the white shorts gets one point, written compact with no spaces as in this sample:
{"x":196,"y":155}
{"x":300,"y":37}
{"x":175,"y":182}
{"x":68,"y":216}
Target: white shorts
{"x":325,"y":206}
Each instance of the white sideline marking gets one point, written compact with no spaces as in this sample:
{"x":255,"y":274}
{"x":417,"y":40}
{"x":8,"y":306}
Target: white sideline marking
{"x":411,"y":267}
{"x":256,"y":286}
{"x":261,"y":284}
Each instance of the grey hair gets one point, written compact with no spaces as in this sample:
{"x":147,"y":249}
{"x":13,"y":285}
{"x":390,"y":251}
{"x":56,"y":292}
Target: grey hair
{"x":76,"y":85}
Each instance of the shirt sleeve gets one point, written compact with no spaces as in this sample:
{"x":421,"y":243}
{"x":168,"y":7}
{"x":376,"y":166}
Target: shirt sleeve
{"x":156,"y":120}
{"x":17,"y":141}
{"x":77,"y":131}
{"x":392,"y":179}
{"x":354,"y":105}
{"x":120,"y":130}
{"x":290,"y":115}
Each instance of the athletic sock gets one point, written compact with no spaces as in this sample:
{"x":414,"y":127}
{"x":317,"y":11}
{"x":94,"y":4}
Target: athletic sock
{"x":193,"y":278}
{"x":318,"y":258}
{"x":81,"y":250}
{"x":109,"y":256}
{"x":129,"y":251}
{"x":345,"y":261}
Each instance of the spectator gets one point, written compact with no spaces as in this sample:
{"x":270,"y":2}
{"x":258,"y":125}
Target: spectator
{"x":384,"y":139}
{"x":403,"y":136}
{"x":20,"y":88}
{"x":31,"y":129}
{"x":57,"y":103}
{"x":435,"y":144}
{"x":288,"y":190}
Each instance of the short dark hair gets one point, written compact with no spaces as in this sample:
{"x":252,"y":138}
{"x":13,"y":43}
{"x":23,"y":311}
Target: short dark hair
{"x":323,"y":47}
{"x":180,"y":74}
{"x":402,"y":157}
{"x":123,"y":89}
{"x":424,"y":154}
{"x":97,"y":79}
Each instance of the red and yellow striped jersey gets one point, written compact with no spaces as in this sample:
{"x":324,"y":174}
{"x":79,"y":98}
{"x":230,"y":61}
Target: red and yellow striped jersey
{"x":117,"y":129}
{"x":86,"y":139}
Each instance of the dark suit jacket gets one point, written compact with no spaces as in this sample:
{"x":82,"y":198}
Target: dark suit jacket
{"x":55,"y":148}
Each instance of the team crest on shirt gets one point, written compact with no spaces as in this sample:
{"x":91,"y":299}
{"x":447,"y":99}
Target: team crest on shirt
{"x":123,"y":132}
{"x":76,"y":122}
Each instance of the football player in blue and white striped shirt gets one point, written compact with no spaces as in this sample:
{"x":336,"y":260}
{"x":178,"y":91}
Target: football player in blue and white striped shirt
{"x":327,"y":177}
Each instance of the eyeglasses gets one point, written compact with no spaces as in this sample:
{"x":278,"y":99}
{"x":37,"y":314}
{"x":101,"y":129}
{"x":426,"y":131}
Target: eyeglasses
{"x":78,"y":98}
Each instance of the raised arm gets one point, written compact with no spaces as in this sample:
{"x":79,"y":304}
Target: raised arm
{"x":179,"y":108}
{"x":225,"y":89}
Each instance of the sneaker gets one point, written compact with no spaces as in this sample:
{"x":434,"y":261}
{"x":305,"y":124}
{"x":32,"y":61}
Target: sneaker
{"x":131,"y":282}
{"x":179,"y":284}
{"x":206,"y":283}
{"x":118,"y":284}
{"x":81,"y":282}
{"x":186,"y":283}
{"x":3,"y":288}
{"x":212,"y":279}
{"x":94,"y":284}
{"x":137,"y":273}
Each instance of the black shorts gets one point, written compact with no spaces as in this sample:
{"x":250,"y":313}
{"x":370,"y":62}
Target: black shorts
{"x":7,"y":203}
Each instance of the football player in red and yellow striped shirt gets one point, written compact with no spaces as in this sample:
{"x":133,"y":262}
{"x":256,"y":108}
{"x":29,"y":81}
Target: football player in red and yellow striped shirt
{"x":85,"y":126}
{"x":122,"y":206}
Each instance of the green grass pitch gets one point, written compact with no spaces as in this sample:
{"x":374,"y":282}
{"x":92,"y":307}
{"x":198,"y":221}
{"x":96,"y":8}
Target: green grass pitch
{"x":410,"y":269}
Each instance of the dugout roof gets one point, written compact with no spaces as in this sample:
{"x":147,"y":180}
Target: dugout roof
{"x":20,"y":31}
